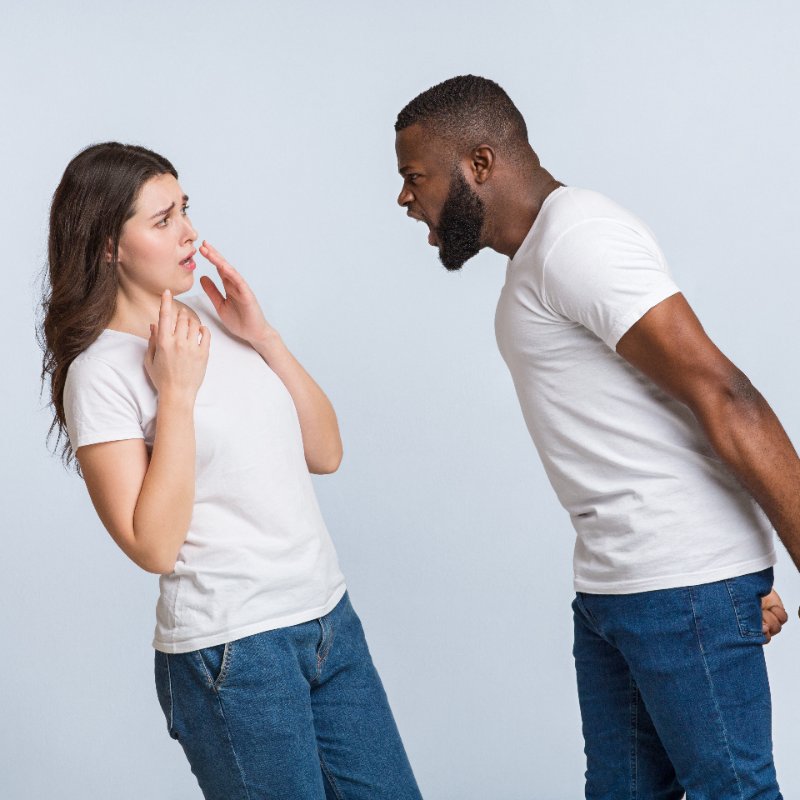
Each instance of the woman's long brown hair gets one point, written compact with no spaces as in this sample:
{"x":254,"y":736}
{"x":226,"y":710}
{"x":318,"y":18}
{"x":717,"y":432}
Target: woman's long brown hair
{"x":95,"y":197}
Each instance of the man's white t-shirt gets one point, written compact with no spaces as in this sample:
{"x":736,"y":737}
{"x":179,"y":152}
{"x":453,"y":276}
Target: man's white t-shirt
{"x":257,"y":555}
{"x":653,"y":506}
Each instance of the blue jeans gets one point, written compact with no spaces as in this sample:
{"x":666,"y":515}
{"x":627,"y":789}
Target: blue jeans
{"x":297,"y":713}
{"x":674,"y":694}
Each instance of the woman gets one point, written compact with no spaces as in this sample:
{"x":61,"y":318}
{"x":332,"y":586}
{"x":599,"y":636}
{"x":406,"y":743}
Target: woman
{"x":195,"y":429}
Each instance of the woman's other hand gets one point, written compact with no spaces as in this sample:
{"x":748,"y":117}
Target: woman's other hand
{"x":177,"y":351}
{"x":241,"y":314}
{"x":238,"y":308}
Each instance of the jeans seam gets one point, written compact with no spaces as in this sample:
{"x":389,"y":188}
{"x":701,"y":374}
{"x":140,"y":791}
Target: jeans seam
{"x":226,"y":660}
{"x":233,"y":749}
{"x":634,"y":737}
{"x":330,"y":777}
{"x":209,"y":679}
{"x":713,"y":694}
{"x":169,"y":688}
{"x":223,"y":669}
{"x":324,"y":647}
{"x":742,"y":631}
{"x":589,"y":616}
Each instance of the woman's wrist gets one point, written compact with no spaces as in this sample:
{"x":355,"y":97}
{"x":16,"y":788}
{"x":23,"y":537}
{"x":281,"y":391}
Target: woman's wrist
{"x":269,"y":344}
{"x":176,"y":398}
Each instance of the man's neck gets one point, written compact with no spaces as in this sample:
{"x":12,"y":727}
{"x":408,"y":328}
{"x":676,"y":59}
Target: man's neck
{"x":516,"y":212}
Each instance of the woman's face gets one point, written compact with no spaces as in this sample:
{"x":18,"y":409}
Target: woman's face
{"x":156,"y":249}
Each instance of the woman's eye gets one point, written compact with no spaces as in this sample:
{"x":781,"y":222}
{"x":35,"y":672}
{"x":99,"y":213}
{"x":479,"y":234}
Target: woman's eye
{"x":185,"y":209}
{"x":162,"y":223}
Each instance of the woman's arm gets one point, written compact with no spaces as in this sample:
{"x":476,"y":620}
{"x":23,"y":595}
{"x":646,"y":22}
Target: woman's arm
{"x":240,"y":312}
{"x":146,"y":503}
{"x":322,"y":443}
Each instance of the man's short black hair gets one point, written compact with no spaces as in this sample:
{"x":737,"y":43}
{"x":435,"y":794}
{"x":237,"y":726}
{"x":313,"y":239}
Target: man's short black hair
{"x":468,"y":110}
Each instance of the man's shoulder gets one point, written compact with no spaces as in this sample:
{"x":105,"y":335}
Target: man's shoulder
{"x":572,"y":205}
{"x":584,"y":215}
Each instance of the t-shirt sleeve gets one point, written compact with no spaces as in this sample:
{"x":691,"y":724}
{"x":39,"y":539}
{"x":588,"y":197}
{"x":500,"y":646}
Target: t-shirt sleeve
{"x":606,"y":275}
{"x":98,"y":405}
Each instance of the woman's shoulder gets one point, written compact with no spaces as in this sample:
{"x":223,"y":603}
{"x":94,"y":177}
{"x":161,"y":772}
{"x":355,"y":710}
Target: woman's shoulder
{"x":113,"y":356}
{"x":201,"y":305}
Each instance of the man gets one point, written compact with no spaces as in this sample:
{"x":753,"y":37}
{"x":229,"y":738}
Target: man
{"x":647,"y":433}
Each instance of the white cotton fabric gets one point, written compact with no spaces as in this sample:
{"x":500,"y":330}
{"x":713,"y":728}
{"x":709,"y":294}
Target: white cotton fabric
{"x":652,"y":505}
{"x":257,"y":555}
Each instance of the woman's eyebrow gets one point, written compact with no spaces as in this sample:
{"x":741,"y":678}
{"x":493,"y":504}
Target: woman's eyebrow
{"x":169,"y":208}
{"x":163,"y":211}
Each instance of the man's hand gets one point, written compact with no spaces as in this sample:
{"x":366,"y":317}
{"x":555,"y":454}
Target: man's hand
{"x":773,"y":614}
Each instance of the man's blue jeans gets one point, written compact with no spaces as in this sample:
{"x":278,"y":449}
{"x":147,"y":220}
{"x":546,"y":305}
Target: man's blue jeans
{"x":297,"y":713}
{"x":674,"y":694}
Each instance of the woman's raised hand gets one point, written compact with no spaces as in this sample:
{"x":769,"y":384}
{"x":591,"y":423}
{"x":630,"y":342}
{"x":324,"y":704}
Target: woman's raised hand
{"x":238,"y":308}
{"x":177,"y":351}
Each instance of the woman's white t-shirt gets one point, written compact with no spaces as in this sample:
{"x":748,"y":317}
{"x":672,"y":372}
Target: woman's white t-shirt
{"x":257,"y":555}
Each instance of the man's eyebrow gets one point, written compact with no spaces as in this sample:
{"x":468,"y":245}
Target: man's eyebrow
{"x":403,"y":170}
{"x":169,"y":208}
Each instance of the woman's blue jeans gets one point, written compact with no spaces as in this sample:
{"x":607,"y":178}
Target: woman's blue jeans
{"x":297,"y":713}
{"x":674,"y":694}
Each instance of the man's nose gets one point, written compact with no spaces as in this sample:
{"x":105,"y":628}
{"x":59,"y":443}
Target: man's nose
{"x":405,"y":197}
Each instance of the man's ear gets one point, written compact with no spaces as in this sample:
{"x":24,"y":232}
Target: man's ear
{"x":482,"y":163}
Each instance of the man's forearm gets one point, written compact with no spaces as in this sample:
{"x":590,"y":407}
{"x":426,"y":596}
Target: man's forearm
{"x":750,"y":439}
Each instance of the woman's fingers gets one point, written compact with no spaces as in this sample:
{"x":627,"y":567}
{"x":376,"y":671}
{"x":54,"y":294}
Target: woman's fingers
{"x":193,"y":331}
{"x":182,"y":325}
{"x":230,"y":277}
{"x":165,"y":313}
{"x":214,"y":295}
{"x":151,"y":342}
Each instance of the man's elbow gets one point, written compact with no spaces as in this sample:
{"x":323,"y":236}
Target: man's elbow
{"x":730,"y":403}
{"x":738,"y":389}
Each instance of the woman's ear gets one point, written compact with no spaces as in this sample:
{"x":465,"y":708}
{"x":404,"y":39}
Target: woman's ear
{"x":109,"y":254}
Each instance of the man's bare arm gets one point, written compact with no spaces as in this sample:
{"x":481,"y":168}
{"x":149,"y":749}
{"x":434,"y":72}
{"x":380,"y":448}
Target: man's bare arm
{"x":669,"y":345}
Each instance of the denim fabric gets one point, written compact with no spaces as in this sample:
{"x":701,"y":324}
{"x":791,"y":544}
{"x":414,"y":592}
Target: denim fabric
{"x":297,"y":713}
{"x":674,"y":694}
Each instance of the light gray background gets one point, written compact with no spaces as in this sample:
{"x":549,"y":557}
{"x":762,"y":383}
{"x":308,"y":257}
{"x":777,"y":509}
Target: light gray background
{"x":279,"y":119}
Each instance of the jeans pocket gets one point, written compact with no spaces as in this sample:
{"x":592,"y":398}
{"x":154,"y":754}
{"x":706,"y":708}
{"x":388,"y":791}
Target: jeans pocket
{"x":164,"y":691}
{"x":216,"y":662}
{"x":746,"y":593}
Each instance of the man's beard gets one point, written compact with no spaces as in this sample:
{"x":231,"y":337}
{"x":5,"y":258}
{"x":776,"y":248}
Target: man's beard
{"x":460,"y":224}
